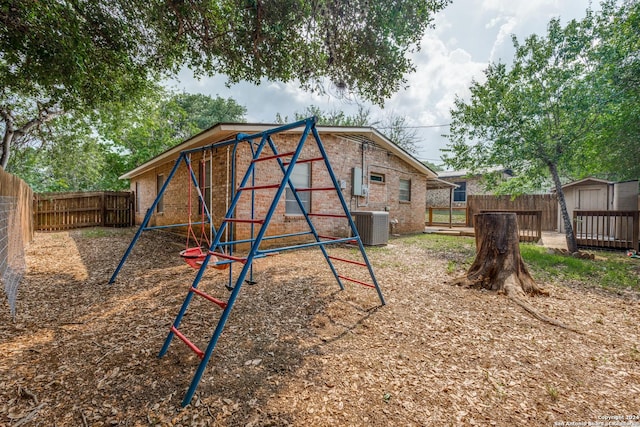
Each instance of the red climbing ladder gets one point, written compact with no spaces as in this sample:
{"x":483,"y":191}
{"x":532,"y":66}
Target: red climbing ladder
{"x":217,"y":248}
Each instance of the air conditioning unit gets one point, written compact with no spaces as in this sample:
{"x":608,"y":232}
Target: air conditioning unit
{"x":372,"y":226}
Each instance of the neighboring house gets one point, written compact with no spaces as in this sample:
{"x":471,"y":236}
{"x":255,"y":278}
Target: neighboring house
{"x":467,"y":184}
{"x":593,"y":194}
{"x":374,"y":175}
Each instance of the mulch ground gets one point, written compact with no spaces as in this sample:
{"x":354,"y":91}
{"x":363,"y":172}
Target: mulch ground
{"x":297,"y":350}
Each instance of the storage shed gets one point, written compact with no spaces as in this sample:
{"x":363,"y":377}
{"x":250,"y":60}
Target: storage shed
{"x":593,"y":194}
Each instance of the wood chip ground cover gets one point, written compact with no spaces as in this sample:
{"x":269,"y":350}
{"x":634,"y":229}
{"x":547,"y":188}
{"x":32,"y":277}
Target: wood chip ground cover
{"x":297,"y":350}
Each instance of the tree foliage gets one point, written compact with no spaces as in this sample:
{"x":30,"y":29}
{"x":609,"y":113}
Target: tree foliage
{"x":536,"y":117}
{"x":394,"y":126}
{"x":616,"y":155}
{"x":74,"y":153}
{"x":58,"y":57}
{"x":161,"y":119}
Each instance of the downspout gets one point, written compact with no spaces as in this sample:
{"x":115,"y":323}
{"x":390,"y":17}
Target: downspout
{"x":226,"y":196}
{"x":364,"y":171}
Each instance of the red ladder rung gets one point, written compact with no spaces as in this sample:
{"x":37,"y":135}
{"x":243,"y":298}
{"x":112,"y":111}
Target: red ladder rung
{"x":368,"y":285}
{"x":316,"y":189}
{"x":252,"y":221}
{"x":276,"y":156}
{"x":348,"y":260}
{"x":315,"y":159}
{"x":214,"y":300}
{"x":328,"y":215}
{"x":259,"y":187}
{"x":189,"y":344}
{"x":232,"y":258}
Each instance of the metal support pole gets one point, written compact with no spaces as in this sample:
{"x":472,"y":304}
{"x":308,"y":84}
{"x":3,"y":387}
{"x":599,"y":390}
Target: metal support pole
{"x":147,"y":217}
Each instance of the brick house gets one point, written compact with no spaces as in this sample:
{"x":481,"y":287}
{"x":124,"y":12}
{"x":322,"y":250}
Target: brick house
{"x":466,"y":184}
{"x":374,"y":175}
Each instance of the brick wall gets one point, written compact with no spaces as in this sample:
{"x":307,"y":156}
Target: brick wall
{"x":344,"y":155}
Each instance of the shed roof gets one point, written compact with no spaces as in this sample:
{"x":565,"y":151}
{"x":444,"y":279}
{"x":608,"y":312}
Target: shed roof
{"x":226,"y":131}
{"x":587,"y":181}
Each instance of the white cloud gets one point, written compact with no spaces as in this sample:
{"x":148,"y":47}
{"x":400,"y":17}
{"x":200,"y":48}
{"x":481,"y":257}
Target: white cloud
{"x":466,"y":37}
{"x":504,"y":33}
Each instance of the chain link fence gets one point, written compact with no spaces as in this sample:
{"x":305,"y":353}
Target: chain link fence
{"x":12,"y":261}
{"x":16,"y":231}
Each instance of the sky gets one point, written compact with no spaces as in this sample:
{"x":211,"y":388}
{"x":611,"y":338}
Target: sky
{"x":468,"y":35}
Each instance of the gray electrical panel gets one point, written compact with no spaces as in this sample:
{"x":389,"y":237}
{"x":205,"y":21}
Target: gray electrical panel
{"x":356,"y":180}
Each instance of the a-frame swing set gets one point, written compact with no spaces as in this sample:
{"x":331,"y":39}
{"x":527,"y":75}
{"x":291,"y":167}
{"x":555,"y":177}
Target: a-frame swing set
{"x":220,"y":253}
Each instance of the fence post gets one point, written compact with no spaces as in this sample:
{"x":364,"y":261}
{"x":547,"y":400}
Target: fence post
{"x":103,"y":202}
{"x":636,"y":230}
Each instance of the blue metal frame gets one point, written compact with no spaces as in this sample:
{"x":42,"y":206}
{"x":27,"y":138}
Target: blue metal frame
{"x":143,"y":226}
{"x":256,"y":240}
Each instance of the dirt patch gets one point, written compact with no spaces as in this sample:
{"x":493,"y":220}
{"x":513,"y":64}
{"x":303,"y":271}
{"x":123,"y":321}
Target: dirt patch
{"x":297,"y":350}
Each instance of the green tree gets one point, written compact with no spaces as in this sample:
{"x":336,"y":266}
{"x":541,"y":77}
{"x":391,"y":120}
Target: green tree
{"x":72,"y":153}
{"x":535,"y":117}
{"x":160,"y":120}
{"x":393,"y":126}
{"x":333,"y":117}
{"x":396,"y":128}
{"x":617,"y":152}
{"x":71,"y":159}
{"x":434,"y":167}
{"x":57,"y":57}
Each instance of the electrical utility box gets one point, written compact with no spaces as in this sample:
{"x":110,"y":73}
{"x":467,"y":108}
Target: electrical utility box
{"x":372,"y":226}
{"x":356,"y":182}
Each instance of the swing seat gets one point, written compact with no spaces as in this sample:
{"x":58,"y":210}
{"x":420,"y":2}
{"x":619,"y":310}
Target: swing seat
{"x":194,"y":257}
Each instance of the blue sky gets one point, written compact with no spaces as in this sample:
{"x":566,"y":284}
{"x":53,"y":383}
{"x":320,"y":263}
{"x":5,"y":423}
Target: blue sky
{"x":468,"y":35}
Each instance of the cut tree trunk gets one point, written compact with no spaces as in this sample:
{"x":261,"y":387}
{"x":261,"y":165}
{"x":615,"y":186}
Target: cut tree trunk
{"x":498,"y":265}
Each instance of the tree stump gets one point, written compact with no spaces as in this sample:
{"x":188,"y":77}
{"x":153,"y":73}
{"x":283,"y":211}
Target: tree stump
{"x":498,"y":265}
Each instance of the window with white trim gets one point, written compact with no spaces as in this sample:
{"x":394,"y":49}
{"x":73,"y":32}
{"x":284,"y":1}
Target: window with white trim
{"x":405,"y":190}
{"x":460,"y":193}
{"x":376,"y":177}
{"x":300,"y":178}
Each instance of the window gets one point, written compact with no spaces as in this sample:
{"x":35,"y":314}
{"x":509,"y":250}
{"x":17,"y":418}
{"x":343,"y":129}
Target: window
{"x":460,"y":193}
{"x":300,"y":178}
{"x":376,"y":177}
{"x":159,"y":184}
{"x":405,"y":190}
{"x":204,"y":181}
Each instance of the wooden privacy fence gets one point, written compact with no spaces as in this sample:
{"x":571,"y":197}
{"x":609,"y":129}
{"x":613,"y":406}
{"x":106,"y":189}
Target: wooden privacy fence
{"x":14,"y":187}
{"x":64,"y":211}
{"x":529,"y":224}
{"x":16,"y":232}
{"x":607,"y":229}
{"x":547,"y":204}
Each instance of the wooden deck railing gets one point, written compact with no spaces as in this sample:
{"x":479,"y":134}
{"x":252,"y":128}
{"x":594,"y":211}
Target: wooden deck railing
{"x":444,"y":216}
{"x":607,"y":229}
{"x":64,"y":211}
{"x":529,"y":224}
